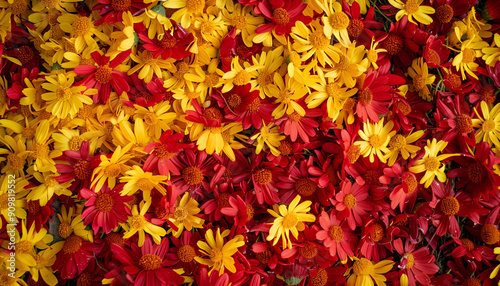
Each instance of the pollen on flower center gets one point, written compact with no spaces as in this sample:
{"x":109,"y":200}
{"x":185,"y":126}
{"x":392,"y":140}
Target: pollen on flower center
{"x":207,"y":28}
{"x":75,"y":143}
{"x":475,"y":173}
{"x":121,"y":5}
{"x":319,"y":40}
{"x":182,"y":68}
{"x":444,"y":13}
{"x":305,"y":187}
{"x":410,"y":260}
{"x":472,"y":281}
{"x":308,"y":251}
{"x":234,"y":101}
{"x":223,"y":200}
{"x":212,"y":113}
{"x":166,"y":42}
{"x":463,"y":123}
{"x":51,"y":181}
{"x":33,"y":207}
{"x":145,"y":184}
{"x":418,"y":82}
{"x":343,"y":63}
{"x":349,"y":201}
{"x":339,"y":20}
{"x":82,"y":170}
{"x":393,"y":44}
{"x":138,"y":222}
{"x":265,"y":78}
{"x":490,"y":234}
{"x":469,"y":55}
{"x":404,"y":108}
{"x":281,"y":16}
{"x":112,"y":171}
{"x":72,"y":244}
{"x":81,"y":26}
{"x":355,"y":28}
{"x":114,"y":237}
{"x":18,"y":7}
{"x":353,"y":153}
{"x":295,"y":117}
{"x":150,"y":119}
{"x":264,"y":256}
{"x":365,"y":97}
{"x":336,"y":233}
{"x":150,"y":262}
{"x":362,"y":267}
{"x":63,"y":93}
{"x":195,"y":6}
{"x":216,"y":255}
{"x":14,"y":161}
{"x":454,"y":79}
{"x":263,"y":176}
{"x":332,"y":90}
{"x":285,"y":148}
{"x":242,"y":78}
{"x":431,"y":164}
{"x":24,"y":246}
{"x":375,"y":141}
{"x":467,"y":244}
{"x":104,"y":203}
{"x":450,"y":206}
{"x":487,"y":94}
{"x":161,"y":152}
{"x":180,"y":213}
{"x":254,"y":106}
{"x":103,"y":74}
{"x":240,"y":22}
{"x":411,"y":183}
{"x":85,"y":279}
{"x":377,"y":233}
{"x":192,"y":175}
{"x":250,"y":211}
{"x":290,"y":220}
{"x":65,"y":230}
{"x":488,"y":125}
{"x":397,"y":142}
{"x":26,"y":54}
{"x":433,"y":57}
{"x":320,"y":279}
{"x":186,"y":253}
{"x":411,"y":6}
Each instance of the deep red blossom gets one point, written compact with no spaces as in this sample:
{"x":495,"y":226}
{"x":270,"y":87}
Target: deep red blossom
{"x":352,"y":203}
{"x":283,"y":15}
{"x":172,"y":44}
{"x":264,"y":177}
{"x":79,"y":168}
{"x":111,"y":11}
{"x":336,"y":236}
{"x":362,"y":29}
{"x":418,"y":264}
{"x":74,"y":256}
{"x":144,"y":94}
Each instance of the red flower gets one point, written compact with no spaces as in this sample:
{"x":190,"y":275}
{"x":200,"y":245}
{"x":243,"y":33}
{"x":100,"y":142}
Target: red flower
{"x":264,"y":177}
{"x":37,"y":214}
{"x":173,"y":44}
{"x":352,"y":203}
{"x":453,"y":117}
{"x":436,"y":54}
{"x":74,"y":256}
{"x":376,"y":239}
{"x":18,"y":83}
{"x":144,"y":94}
{"x":417,"y":264}
{"x":239,"y":209}
{"x":184,"y":251}
{"x":362,"y":30}
{"x":194,"y":168}
{"x":295,"y":125}
{"x":111,"y":11}
{"x":79,"y":168}
{"x":283,"y":15}
{"x":405,"y":186}
{"x":307,"y":251}
{"x":410,"y":112}
{"x":336,"y":235}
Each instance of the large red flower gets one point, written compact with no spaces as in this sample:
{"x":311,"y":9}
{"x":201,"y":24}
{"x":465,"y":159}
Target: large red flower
{"x":283,"y":14}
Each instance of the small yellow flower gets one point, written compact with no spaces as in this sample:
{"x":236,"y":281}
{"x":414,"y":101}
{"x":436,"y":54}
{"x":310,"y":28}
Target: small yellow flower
{"x":349,"y":66}
{"x":400,"y":144}
{"x":287,"y":93}
{"x":220,"y":254}
{"x":364,"y":272}
{"x":137,"y":223}
{"x":184,"y":215}
{"x":419,"y":72}
{"x":413,"y":9}
{"x":465,"y":60}
{"x":148,"y":65}
{"x":111,"y":168}
{"x":335,"y":21}
{"x":138,"y":180}
{"x":82,"y":29}
{"x":375,"y":137}
{"x":488,"y":124}
{"x":268,"y":135}
{"x":238,"y":75}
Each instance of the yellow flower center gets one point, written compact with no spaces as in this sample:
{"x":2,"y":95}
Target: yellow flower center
{"x":207,"y":28}
{"x":281,"y":16}
{"x":377,"y":233}
{"x":308,"y":251}
{"x":112,"y":171}
{"x":349,"y":201}
{"x":467,"y":244}
{"x":320,"y":279}
{"x":15,"y":162}
{"x":336,"y":233}
{"x":85,"y":112}
{"x":64,"y":93}
{"x":363,"y":267}
{"x":180,"y":213}
{"x":104,"y":203}
{"x":138,"y":222}
{"x":366,"y":97}
{"x":319,"y":40}
{"x":216,"y":255}
{"x":103,"y":74}
{"x":339,"y":20}
{"x":121,"y":5}
{"x":444,"y":13}
{"x":376,"y":141}
{"x":195,"y":6}
{"x":82,"y":170}
{"x":475,"y":172}
{"x":404,"y":108}
{"x":150,"y":262}
{"x":397,"y":142}
{"x":411,"y":183}
{"x":263,"y":176}
{"x":182,"y":68}
{"x":150,"y":119}
{"x":431,"y":164}
{"x":410,"y":260}
{"x":145,"y":185}
{"x":4,"y":201}
{"x":463,"y":123}
{"x":186,"y":253}
{"x":295,"y":117}
{"x":450,"y":206}
{"x":81,"y":26}
{"x":355,"y":28}
{"x":241,"y":78}
{"x":65,"y":230}
{"x":265,"y":78}
{"x":250,"y":211}
{"x":488,"y":125}
{"x":75,"y":143}
{"x":490,"y":234}
{"x":18,"y":7}
{"x":72,"y":244}
{"x":418,"y":82}
{"x":24,"y":246}
{"x":240,"y":22}
{"x":211,"y":80}
{"x":305,"y":187}
{"x":469,"y":55}
{"x":290,"y":220}
{"x":192,"y":175}
{"x":50,"y":181}
{"x":343,"y":63}
{"x":353,"y":153}
{"x":411,"y":6}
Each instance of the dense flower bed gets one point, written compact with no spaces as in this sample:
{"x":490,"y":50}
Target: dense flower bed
{"x":253,"y":142}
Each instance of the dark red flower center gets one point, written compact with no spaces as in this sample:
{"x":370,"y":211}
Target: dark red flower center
{"x":281,"y":16}
{"x":450,"y":206}
{"x":355,"y":28}
{"x":475,"y":172}
{"x":305,"y":187}
{"x":82,"y":170}
{"x":320,"y":279}
{"x":393,"y":44}
{"x":263,"y":176}
{"x":444,"y":13}
{"x":463,"y":123}
{"x":192,"y":175}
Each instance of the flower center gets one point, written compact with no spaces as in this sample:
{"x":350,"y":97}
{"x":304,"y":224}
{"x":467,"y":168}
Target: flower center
{"x":192,"y":175}
{"x":240,"y":22}
{"x":103,"y":74}
{"x":263,"y":176}
{"x":82,"y":170}
{"x":450,"y":206}
{"x":397,"y":142}
{"x":487,"y":94}
{"x":150,"y":262}
{"x":145,"y":184}
{"x":488,"y":125}
{"x":375,"y":141}
{"x":85,"y":112}
{"x":250,"y":212}
{"x":195,"y":6}
{"x":339,"y":20}
{"x":182,"y":68}
{"x":319,"y":40}
{"x":366,"y":96}
{"x":290,"y":220}
{"x":33,"y":207}
{"x":353,"y":153}
{"x":211,"y":80}
{"x":138,"y":222}
{"x":29,"y":133}
{"x":180,"y":213}
{"x":254,"y":106}
{"x":265,"y":78}
{"x":63,"y":93}
{"x":336,"y":233}
{"x":320,"y":279}
{"x":433,"y":57}
{"x":104,"y":202}
{"x":471,"y":282}
{"x":349,"y":201}
{"x":121,"y":5}
{"x":305,"y":187}
{"x":295,"y":117}
{"x":343,"y":63}
{"x":454,"y":79}
{"x":207,"y":28}
{"x":404,"y":108}
{"x":411,"y":183}
{"x":65,"y":230}
{"x":75,"y":143}
{"x":72,"y":244}
{"x":161,"y":152}
{"x":281,"y":16}
{"x":355,"y":28}
{"x":24,"y":246}
{"x":463,"y":123}
{"x":285,"y":148}
{"x":444,"y":13}
{"x":467,"y":244}
{"x":81,"y":26}
{"x":418,"y":82}
{"x":167,"y":42}
{"x":216,"y":255}
{"x":212,"y":113}
{"x":469,"y":55}
{"x":431,"y":164}
{"x":490,"y":234}
{"x":475,"y":172}
{"x":308,"y":251}
{"x":85,"y":279}
{"x":410,"y":260}
{"x":377,"y":233}
{"x":223,"y":200}
{"x":234,"y":101}
{"x":264,"y":256}
{"x":14,"y":161}
{"x":114,"y":237}
{"x":332,"y":174}
{"x":372,"y":56}
{"x":18,"y":7}
{"x":186,"y":253}
{"x":332,"y":90}
{"x":242,"y":78}
{"x":26,"y":54}
{"x":150,"y":119}
{"x":112,"y":171}
{"x":362,"y":267}
{"x":393,"y":44}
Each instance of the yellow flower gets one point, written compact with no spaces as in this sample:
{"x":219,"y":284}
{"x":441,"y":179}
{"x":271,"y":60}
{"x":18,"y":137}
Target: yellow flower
{"x":3,"y":94}
{"x":431,"y":163}
{"x":111,"y":168}
{"x":83,"y":30}
{"x":206,"y":81}
{"x":5,"y":25}
{"x":211,"y":28}
{"x":413,"y":9}
{"x":137,"y":223}
{"x":184,"y":216}
{"x":124,"y":38}
{"x":43,"y":268}
{"x":220,"y":254}
{"x":238,"y":75}
{"x":492,"y":54}
{"x":15,"y":153}
{"x":400,"y":144}
{"x":349,"y":66}
{"x":48,"y":187}
{"x":494,"y":273}
{"x":244,"y":21}
{"x":154,"y":20}
{"x":372,"y":55}
{"x":67,"y":140}
{"x":465,"y":60}
{"x":489,"y":124}
{"x":268,"y":135}
{"x":148,"y":65}
{"x":7,"y":183}
{"x":184,"y":97}
{"x":41,"y":151}
{"x":421,"y":78}
{"x":263,"y":78}
{"x":288,"y":220}
{"x":137,"y":135}
{"x":138,"y":180}
{"x":376,"y":136}
{"x":287,"y":93}
{"x":364,"y":272}
{"x":188,"y":10}
{"x":335,"y":21}
{"x":156,"y":118}
{"x":72,"y":223}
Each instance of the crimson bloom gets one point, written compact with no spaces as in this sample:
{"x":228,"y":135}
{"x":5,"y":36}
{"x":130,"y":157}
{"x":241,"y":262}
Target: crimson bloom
{"x":171,"y":45}
{"x":111,"y":11}
{"x":74,"y":256}
{"x":405,"y":184}
{"x":79,"y":168}
{"x":295,"y":125}
{"x":144,"y":94}
{"x":417,"y":264}
{"x":283,"y":14}
{"x":362,"y":30}
{"x":436,"y":54}
{"x":239,"y":209}
{"x":352,"y":203}
{"x":264,"y":178}
{"x":336,"y":236}
{"x":455,"y":120}
{"x":184,"y":251}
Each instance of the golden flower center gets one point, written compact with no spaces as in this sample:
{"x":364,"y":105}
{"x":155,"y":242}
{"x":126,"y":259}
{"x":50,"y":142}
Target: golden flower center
{"x":319,"y":40}
{"x":24,"y":246}
{"x":72,"y":244}
{"x":263,"y":176}
{"x":82,"y":170}
{"x":145,"y":184}
{"x":241,"y":78}
{"x":212,"y":113}
{"x":372,"y":56}
{"x":285,"y":148}
{"x":454,"y":79}
{"x":254,"y":106}
{"x":64,"y":93}
{"x":114,"y":237}
{"x":490,"y":234}
{"x":377,"y":233}
{"x":450,"y":206}
{"x":150,"y":262}
{"x":18,"y":7}
{"x":166,"y":42}
{"x":33,"y":207}
{"x":121,"y":5}
{"x":393,"y":44}
{"x":265,"y":78}
{"x":65,"y":230}
{"x":85,"y":279}
{"x":431,"y":164}
{"x":50,"y":181}
{"x":471,"y":282}
{"x":355,"y":28}
{"x":264,"y":256}
{"x":295,"y":117}
{"x":320,"y":279}
{"x":467,"y":244}
{"x":444,"y":13}
{"x":410,"y":260}
{"x":349,"y":201}
{"x":250,"y":212}
{"x":397,"y":142}
{"x":180,"y":213}
{"x":81,"y":26}
{"x":290,"y":220}
{"x":336,"y":233}
{"x":305,"y":187}
{"x":4,"y":201}
{"x":223,"y":200}
{"x":353,"y":153}
{"x":234,"y":101}
{"x":161,"y":152}
{"x":138,"y":222}
{"x":14,"y":161}
{"x":216,"y":255}
{"x":207,"y":28}
{"x":488,"y":125}
{"x":308,"y":251}
{"x":29,"y":132}
{"x":195,"y":6}
{"x":192,"y":175}
{"x":475,"y":172}
{"x":103,"y":74}
{"x":150,"y":119}
{"x":365,"y":97}
{"x":411,"y":183}
{"x":469,"y":55}
{"x":404,"y":108}
{"x":75,"y":143}
{"x":85,"y":112}
{"x":376,"y":141}
{"x":339,"y":20}
{"x":182,"y":68}
{"x":211,"y":80}
{"x":362,"y":267}
{"x":281,"y":16}
{"x":332,"y":90}
{"x":343,"y":63}
{"x":433,"y":57}
{"x":463,"y":123}
{"x":186,"y":253}
{"x":411,"y":6}
{"x":240,"y":22}
{"x":104,"y":203}
{"x":487,"y":94}
{"x":418,"y":82}
{"x":26,"y":54}
{"x":112,"y":171}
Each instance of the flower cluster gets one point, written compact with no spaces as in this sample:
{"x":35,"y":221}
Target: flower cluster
{"x":250,"y":142}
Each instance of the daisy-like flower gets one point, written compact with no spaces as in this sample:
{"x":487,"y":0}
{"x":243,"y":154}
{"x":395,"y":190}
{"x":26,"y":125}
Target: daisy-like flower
{"x":364,"y":272}
{"x":138,"y":223}
{"x":82,"y":29}
{"x":495,"y":271}
{"x":287,"y":93}
{"x":174,"y":44}
{"x":283,"y":16}
{"x":48,"y":187}
{"x":244,"y":21}
{"x":376,"y":137}
{"x":288,"y":220}
{"x":220,"y":253}
{"x":401,"y":144}
{"x":42,"y":271}
{"x":465,"y":60}
{"x":268,"y":135}
{"x":335,"y":21}
{"x":431,"y":162}
{"x":352,"y":202}
{"x":16,"y":207}
{"x":63,"y":98}
{"x":16,"y":154}
{"x":337,"y":236}
{"x":184,"y":215}
{"x":138,"y":180}
{"x":71,"y":223}
{"x":421,"y":78}
{"x":187,"y":10}
{"x":156,"y":118}
{"x":109,"y":169}
{"x":147,"y":65}
{"x":238,"y":75}
{"x":414,"y":10}
{"x":417,"y":265}
{"x":349,"y":65}
{"x":488,"y":124}
{"x":264,"y":77}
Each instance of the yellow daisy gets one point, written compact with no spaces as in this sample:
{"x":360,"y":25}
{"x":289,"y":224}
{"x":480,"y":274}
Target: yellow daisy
{"x":220,"y":254}
{"x":156,"y":118}
{"x":287,"y":93}
{"x":211,"y":28}
{"x":372,"y":55}
{"x":184,"y":215}
{"x":3,"y":94}
{"x":83,"y":30}
{"x":364,"y":272}
{"x":465,"y":60}
{"x":44,"y":260}
{"x":41,"y":152}
{"x":138,"y":180}
{"x":263,"y":78}
{"x":72,"y":223}
{"x":335,"y":21}
{"x":7,"y":183}
{"x":375,"y":137}
{"x":148,"y":65}
{"x":238,"y":75}
{"x":137,"y":223}
{"x":188,"y":9}
{"x":349,"y":65}
{"x":244,"y":21}
{"x":488,"y":124}
{"x":16,"y":154}
{"x":268,"y":135}
{"x":419,"y":72}
{"x":401,"y":144}
{"x":111,"y":168}
{"x":47,"y":187}
{"x":413,"y":9}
